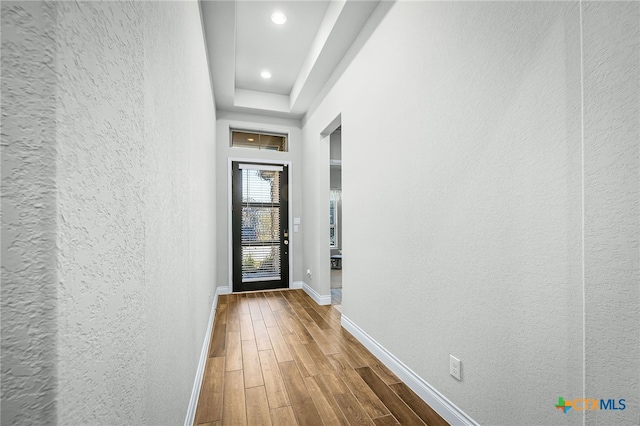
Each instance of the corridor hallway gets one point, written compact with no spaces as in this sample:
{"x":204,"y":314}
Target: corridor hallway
{"x":278,"y":358}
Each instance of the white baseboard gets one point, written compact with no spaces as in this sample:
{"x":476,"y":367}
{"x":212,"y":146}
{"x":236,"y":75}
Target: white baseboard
{"x":296,"y":285}
{"x":197,"y":384}
{"x":424,"y":390}
{"x":320,"y":299}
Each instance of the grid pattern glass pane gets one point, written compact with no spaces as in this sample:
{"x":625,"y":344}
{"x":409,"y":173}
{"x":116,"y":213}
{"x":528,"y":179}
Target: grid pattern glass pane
{"x":260,"y":225}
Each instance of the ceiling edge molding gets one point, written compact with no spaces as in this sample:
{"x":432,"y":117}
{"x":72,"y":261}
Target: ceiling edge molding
{"x":353,"y":16}
{"x":324,"y":32}
{"x":257,"y":122}
{"x":378,"y":14}
{"x":261,"y":100}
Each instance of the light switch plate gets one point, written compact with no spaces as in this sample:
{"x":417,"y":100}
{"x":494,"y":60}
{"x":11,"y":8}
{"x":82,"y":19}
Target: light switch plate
{"x":296,"y":221}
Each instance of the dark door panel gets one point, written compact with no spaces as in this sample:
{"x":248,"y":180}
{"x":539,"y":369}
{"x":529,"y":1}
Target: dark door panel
{"x":260,"y":226}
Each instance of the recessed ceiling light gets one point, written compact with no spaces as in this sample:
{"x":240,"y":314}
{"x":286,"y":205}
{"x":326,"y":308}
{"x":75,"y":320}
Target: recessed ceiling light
{"x":265,"y":74}
{"x":278,"y":18}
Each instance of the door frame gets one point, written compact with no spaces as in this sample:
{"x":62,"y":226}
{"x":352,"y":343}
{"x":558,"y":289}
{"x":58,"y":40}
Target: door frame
{"x":324,"y":194}
{"x":287,"y":163}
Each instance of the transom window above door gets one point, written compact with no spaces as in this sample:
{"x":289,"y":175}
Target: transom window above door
{"x":268,"y":141}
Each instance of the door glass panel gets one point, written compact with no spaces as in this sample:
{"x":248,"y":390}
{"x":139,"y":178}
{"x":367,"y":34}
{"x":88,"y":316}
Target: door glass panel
{"x":260,"y":225}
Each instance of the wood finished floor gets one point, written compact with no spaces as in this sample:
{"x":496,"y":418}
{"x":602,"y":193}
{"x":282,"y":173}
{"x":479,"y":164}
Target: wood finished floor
{"x":277,"y":358}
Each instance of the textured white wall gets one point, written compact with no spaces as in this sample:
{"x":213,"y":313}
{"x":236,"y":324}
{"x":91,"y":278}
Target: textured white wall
{"x":612,"y":211}
{"x":466,"y":117}
{"x":133,"y":169}
{"x":102,"y":295}
{"x":28,"y":295}
{"x":180,"y":204}
{"x":227,"y":120}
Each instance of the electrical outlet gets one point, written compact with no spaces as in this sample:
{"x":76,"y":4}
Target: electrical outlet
{"x":309,"y":273}
{"x":454,"y":366}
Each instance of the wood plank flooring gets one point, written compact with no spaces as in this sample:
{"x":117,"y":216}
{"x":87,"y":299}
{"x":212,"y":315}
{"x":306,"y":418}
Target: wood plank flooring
{"x":277,"y":358}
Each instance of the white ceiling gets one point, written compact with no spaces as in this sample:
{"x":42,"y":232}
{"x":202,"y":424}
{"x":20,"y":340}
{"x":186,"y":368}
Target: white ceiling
{"x":301,"y":55}
{"x":261,"y":44}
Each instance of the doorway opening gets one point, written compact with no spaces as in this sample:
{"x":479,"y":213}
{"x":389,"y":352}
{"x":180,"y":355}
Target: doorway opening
{"x":335,"y":215}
